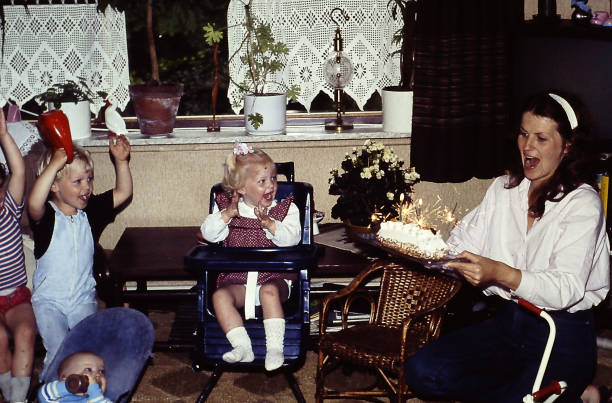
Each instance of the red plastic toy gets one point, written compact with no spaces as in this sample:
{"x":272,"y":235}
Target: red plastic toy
{"x":55,"y":130}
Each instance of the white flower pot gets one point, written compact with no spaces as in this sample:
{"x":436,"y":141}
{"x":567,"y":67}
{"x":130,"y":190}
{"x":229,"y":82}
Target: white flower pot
{"x":273,"y":108}
{"x":397,"y":110}
{"x":79,"y":118}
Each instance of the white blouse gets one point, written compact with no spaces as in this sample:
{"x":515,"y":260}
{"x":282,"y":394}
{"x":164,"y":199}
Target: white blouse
{"x":565,"y":256}
{"x":288,"y":232}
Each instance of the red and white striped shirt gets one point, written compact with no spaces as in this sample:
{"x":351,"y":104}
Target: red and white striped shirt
{"x":12,"y":260}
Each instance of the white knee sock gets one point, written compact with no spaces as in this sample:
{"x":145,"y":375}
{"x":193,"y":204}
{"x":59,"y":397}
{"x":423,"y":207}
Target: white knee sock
{"x":275,"y":336}
{"x":240,"y":341}
{"x":19,"y":388}
{"x":5,"y":385}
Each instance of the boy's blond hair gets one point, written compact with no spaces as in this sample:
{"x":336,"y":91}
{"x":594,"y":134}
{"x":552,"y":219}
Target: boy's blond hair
{"x":236,"y":166}
{"x":80,"y":154}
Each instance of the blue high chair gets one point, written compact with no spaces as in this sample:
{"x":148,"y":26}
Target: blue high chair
{"x":208,"y":260}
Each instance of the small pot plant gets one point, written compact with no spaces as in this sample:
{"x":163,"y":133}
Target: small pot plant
{"x":263,"y":56}
{"x":397,"y":100}
{"x":70,"y":91}
{"x":406,"y":10}
{"x":155,"y":103}
{"x":74,"y":99}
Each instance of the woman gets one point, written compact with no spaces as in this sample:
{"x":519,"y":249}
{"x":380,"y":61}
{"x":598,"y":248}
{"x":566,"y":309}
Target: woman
{"x":538,"y":234}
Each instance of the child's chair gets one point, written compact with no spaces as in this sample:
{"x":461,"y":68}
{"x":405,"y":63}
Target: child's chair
{"x":123,"y":337}
{"x":209,"y":260}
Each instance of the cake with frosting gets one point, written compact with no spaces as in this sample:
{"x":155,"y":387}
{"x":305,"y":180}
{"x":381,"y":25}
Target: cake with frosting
{"x":412,"y":240}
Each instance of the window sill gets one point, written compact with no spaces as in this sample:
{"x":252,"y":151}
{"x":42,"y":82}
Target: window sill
{"x":199,"y":135}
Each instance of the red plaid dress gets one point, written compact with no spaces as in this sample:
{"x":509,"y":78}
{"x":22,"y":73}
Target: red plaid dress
{"x":247,"y":232}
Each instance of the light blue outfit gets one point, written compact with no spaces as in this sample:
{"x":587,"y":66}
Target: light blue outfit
{"x":56,"y":392}
{"x":64,"y":287}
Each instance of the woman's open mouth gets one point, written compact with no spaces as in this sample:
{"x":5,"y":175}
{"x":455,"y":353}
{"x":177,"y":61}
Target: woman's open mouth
{"x":530,"y":162}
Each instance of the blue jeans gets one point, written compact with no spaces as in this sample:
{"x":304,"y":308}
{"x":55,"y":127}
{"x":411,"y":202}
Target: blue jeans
{"x":497,"y":360}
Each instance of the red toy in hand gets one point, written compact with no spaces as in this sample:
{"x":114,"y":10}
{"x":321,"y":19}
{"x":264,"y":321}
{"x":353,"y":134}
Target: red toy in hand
{"x":55,"y":130}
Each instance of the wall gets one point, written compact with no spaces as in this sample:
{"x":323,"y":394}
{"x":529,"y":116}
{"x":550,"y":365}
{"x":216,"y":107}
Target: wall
{"x":171,"y":182}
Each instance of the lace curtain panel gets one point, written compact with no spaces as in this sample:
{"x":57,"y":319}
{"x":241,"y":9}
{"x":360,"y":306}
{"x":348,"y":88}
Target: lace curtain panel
{"x":308,"y":31}
{"x":49,"y":44}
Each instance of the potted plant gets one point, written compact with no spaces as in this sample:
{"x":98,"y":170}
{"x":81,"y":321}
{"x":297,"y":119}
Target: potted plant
{"x":397,"y":100}
{"x":74,"y":99}
{"x":155,"y":103}
{"x":371,"y":181}
{"x":264,"y":56}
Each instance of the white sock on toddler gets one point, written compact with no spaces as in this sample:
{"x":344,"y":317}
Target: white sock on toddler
{"x":19,"y":388}
{"x":275,"y":336}
{"x":5,"y":385}
{"x":241,"y":343}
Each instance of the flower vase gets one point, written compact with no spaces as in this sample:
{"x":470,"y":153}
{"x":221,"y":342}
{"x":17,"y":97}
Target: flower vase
{"x":358,"y":233}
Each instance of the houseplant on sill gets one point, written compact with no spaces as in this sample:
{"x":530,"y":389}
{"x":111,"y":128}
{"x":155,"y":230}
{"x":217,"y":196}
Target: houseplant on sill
{"x":155,"y":103}
{"x":74,"y":99}
{"x":397,"y":100}
{"x":264,"y":56}
{"x":371,"y":183}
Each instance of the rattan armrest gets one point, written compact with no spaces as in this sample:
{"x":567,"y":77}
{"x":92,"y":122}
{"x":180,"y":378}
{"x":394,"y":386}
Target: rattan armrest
{"x":352,"y":292}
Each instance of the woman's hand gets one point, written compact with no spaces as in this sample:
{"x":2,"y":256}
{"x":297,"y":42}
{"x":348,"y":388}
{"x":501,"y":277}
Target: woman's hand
{"x":482,"y":271}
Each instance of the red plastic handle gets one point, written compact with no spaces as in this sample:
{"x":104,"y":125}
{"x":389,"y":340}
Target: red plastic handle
{"x":553,"y":388}
{"x":55,"y":130}
{"x":529,"y":305}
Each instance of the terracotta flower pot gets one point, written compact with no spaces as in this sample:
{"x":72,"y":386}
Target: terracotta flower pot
{"x":156,"y":107}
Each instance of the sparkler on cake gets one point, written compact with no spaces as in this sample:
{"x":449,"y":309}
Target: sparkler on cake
{"x":411,"y":235}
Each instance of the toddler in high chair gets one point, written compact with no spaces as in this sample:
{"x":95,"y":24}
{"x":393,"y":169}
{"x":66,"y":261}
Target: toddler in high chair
{"x":247,"y":215}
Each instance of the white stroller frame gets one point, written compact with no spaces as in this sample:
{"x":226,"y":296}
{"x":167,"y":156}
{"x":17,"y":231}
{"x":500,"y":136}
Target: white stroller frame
{"x":555,"y":388}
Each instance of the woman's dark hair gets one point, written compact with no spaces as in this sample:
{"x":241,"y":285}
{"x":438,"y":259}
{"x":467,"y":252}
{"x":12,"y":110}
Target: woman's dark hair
{"x":577,"y":166}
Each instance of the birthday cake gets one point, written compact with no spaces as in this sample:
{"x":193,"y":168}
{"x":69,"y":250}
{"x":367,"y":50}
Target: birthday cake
{"x":412,"y":240}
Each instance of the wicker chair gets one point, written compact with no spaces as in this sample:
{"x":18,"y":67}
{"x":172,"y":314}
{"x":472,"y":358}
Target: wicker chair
{"x":409,"y":311}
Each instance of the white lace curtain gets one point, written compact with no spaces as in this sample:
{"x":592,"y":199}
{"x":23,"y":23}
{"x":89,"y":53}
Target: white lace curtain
{"x":52,"y":43}
{"x":307,"y":29}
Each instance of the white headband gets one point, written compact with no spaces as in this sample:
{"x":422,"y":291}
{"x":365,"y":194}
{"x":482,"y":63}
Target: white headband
{"x":571,"y":116}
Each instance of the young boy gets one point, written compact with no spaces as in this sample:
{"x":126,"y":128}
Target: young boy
{"x":66,"y":229}
{"x":16,"y":315}
{"x":81,"y":379}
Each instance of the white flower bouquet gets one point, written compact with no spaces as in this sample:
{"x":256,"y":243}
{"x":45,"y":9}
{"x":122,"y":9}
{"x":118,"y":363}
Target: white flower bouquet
{"x":372,"y":180}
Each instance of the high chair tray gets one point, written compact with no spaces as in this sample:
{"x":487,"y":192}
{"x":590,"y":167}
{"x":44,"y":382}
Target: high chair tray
{"x":214,"y":257}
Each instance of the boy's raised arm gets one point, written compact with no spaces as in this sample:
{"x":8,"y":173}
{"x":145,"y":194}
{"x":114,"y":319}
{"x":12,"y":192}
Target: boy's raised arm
{"x":42,"y":185}
{"x":120,"y":150}
{"x":16,"y":185}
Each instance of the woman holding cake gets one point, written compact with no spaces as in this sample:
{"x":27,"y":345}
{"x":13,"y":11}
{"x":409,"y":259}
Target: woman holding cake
{"x":539,"y":234}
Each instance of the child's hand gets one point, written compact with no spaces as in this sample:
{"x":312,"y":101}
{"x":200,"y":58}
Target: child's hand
{"x":231,"y":211}
{"x":119,"y":147}
{"x":262,"y":214}
{"x":59,"y":158}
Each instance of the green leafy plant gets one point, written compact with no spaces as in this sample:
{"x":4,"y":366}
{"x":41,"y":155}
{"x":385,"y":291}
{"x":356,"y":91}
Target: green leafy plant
{"x":70,"y":91}
{"x":372,"y":180}
{"x":406,"y":10}
{"x":263,"y":55}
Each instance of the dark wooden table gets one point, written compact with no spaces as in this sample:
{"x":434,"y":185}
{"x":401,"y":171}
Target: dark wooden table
{"x":155,"y":254}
